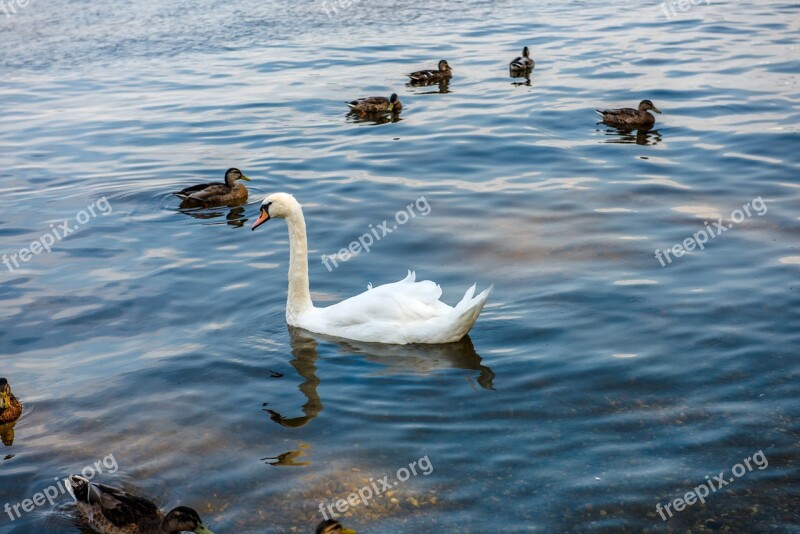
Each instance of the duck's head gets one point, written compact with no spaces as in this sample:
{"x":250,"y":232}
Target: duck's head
{"x":526,"y":52}
{"x":184,"y":519}
{"x":646,"y":105}
{"x":5,"y":394}
{"x":394,"y":103}
{"x":443,"y":66}
{"x":276,"y":206}
{"x":331,"y":526}
{"x":233,"y":174}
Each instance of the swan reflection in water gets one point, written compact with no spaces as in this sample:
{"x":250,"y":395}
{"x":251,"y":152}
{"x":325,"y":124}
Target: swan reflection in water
{"x":234,"y":215}
{"x":397,"y":359}
{"x":640,"y":137}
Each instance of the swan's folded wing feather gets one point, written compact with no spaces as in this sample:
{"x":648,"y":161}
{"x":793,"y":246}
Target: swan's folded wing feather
{"x":401,"y":302}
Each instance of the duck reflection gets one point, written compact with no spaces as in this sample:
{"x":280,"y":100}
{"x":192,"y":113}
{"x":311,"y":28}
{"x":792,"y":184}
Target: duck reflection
{"x":520,"y":74}
{"x":443,"y":86}
{"x":641,"y":136}
{"x":234,"y":215}
{"x":7,"y":433}
{"x":396,"y":359}
{"x":373,"y":118}
{"x":289,"y":459}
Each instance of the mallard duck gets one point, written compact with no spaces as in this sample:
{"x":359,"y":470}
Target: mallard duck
{"x":113,"y":511}
{"x":399,"y":314}
{"x":218,"y":193}
{"x":376,"y":104}
{"x":331,"y":526}
{"x":524,"y":62}
{"x":10,"y":407}
{"x":431,"y":76}
{"x":630,"y":118}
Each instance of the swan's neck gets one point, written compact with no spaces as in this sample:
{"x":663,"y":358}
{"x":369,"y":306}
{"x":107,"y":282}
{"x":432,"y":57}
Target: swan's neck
{"x":299,"y":299}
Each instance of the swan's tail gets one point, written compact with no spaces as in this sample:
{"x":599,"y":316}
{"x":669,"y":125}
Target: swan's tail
{"x":467,"y":311}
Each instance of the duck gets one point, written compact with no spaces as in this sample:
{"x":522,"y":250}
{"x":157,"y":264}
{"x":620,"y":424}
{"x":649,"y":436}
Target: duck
{"x":376,"y":104}
{"x":10,"y":407}
{"x":331,"y":526}
{"x":398,"y":313}
{"x":629,"y":118}
{"x":431,"y":76}
{"x":523,"y":62}
{"x":217,"y":193}
{"x":113,"y":511}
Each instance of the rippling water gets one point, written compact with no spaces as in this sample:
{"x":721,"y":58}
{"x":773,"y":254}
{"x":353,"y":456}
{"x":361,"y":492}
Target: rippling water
{"x":595,"y":385}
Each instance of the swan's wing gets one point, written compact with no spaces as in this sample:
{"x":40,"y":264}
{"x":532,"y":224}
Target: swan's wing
{"x":402,"y":302}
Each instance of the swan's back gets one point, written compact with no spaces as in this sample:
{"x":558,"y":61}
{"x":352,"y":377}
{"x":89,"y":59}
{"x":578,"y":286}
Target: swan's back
{"x":401,"y":312}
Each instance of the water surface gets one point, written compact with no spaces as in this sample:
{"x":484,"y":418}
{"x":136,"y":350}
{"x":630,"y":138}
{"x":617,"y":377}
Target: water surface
{"x":596,"y":383}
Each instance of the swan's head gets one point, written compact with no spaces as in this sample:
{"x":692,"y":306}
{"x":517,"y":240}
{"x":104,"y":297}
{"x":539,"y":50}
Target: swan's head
{"x":276,"y":206}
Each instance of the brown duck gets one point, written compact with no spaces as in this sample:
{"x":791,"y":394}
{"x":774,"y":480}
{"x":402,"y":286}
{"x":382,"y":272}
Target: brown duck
{"x":376,"y":104}
{"x":217,"y":193}
{"x":113,"y":511}
{"x":430,"y":76}
{"x":523,"y":62}
{"x":10,"y":407}
{"x":629,"y":118}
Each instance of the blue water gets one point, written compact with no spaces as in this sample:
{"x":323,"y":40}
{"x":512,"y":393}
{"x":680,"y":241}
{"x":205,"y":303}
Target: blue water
{"x":596,"y":384}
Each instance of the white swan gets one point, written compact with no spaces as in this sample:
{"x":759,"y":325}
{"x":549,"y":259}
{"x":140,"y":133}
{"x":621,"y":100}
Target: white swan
{"x":400,"y":313}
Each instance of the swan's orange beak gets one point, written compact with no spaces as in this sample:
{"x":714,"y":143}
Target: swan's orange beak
{"x":262,"y":218}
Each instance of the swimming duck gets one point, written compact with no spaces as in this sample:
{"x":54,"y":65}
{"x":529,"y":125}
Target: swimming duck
{"x":524,"y":62}
{"x":218,"y":193}
{"x":331,"y":526}
{"x":10,"y":407}
{"x":430,"y":76}
{"x":399,"y":314}
{"x":629,"y":117}
{"x":113,"y":511}
{"x":376,"y":104}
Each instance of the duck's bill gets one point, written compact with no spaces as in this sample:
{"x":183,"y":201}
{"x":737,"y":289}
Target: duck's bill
{"x":262,"y":218}
{"x":656,"y":109}
{"x":348,"y":531}
{"x":245,"y":178}
{"x":202,"y":529}
{"x":391,"y":106}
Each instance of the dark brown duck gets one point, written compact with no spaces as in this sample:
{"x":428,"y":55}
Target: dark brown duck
{"x":629,"y":118}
